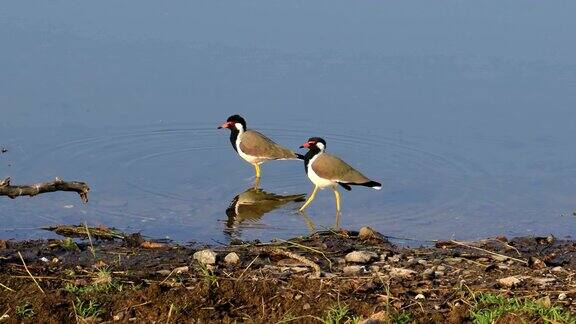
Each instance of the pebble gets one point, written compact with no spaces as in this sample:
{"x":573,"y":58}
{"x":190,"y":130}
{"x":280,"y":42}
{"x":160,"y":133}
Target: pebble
{"x":232,"y":258}
{"x":499,"y":258}
{"x":557,"y":269}
{"x":353,"y":270}
{"x":384,"y":255}
{"x":428,"y":273}
{"x":439,"y":273}
{"x":374,"y":268}
{"x":419,"y":296}
{"x":401,"y":272}
{"x":306,"y":306}
{"x":510,"y":281}
{"x":423,"y":262}
{"x":413,"y":261}
{"x":453,"y":260}
{"x":205,"y":256}
{"x":562,"y":296}
{"x":441,"y":268}
{"x":360,"y":256}
{"x":181,"y":269}
{"x":367,"y":233}
{"x":395,"y":258}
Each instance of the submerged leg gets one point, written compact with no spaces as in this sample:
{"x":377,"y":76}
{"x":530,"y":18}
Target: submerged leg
{"x":337,"y":195}
{"x":309,"y":222}
{"x":257,"y":183}
{"x":257,"y":167}
{"x":309,"y":200}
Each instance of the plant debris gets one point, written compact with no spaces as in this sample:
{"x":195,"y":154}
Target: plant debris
{"x":306,"y":279}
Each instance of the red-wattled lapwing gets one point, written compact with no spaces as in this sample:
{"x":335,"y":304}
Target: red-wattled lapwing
{"x":326,"y":170}
{"x":254,"y":147}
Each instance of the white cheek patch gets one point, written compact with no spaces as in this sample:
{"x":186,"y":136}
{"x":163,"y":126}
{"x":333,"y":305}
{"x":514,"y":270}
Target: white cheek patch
{"x":239,"y":126}
{"x":320,"y":146}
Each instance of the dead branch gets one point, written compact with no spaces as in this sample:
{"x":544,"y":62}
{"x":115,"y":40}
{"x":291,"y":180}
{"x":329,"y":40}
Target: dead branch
{"x":300,"y":258}
{"x":6,"y":189}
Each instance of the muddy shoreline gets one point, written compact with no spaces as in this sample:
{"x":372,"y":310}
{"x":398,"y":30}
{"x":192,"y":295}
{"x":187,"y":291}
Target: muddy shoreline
{"x":345,"y":276}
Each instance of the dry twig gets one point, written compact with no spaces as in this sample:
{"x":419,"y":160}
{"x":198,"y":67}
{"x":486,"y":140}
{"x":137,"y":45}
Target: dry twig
{"x":6,"y":189}
{"x":489,"y":252}
{"x":31,"y":276}
{"x":300,"y":258}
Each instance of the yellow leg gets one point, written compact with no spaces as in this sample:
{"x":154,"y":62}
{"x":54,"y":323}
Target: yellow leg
{"x":257,"y":183}
{"x":337,"y":195}
{"x":309,"y":200}
{"x":257,"y":167}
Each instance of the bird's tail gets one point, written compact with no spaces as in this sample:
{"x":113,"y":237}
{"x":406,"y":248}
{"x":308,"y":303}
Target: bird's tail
{"x":372,"y":184}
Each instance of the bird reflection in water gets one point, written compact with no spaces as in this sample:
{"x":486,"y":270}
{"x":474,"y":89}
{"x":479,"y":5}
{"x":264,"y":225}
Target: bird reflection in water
{"x":252,"y":204}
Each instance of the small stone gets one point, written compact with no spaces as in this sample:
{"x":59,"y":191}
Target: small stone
{"x":367,"y":233}
{"x":419,"y":296}
{"x":44,"y":259}
{"x":384,"y":255}
{"x":557,"y":269}
{"x":360,"y":256}
{"x":306,"y":306}
{"x":353,"y":270}
{"x":543,"y":281}
{"x":413,"y":261}
{"x":395,"y":258}
{"x":181,"y":269}
{"x":562,"y":296}
{"x":510,"y":282}
{"x":401,"y":272}
{"x":374,"y":268}
{"x":232,"y":258}
{"x":437,"y":307}
{"x":423,"y":262}
{"x":453,"y":260}
{"x":205,"y":256}
{"x":500,"y":258}
{"x":441,"y":268}
{"x":297,"y":297}
{"x":439,"y":273}
{"x":536,"y":263}
{"x":428,"y":273}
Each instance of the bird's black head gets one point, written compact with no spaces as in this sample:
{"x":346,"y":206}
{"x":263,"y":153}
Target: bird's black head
{"x":234,"y":122}
{"x":315,"y":143}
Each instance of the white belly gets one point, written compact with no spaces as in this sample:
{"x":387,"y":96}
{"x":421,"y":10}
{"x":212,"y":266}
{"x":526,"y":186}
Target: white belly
{"x":316,"y":180}
{"x":249,"y":158}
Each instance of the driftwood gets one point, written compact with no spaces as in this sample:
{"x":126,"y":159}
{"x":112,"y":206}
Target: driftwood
{"x":6,"y":189}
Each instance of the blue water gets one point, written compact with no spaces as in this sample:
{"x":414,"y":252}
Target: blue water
{"x":466,"y":112}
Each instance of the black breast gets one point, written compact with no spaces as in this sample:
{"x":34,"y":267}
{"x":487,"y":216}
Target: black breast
{"x":233,"y":136}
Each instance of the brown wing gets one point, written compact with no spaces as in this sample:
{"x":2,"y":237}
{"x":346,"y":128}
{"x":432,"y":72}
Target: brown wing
{"x":256,"y":144}
{"x":333,"y":168}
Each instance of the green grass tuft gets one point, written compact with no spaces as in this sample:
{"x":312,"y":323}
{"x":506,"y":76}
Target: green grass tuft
{"x":87,"y":309}
{"x":488,"y":308}
{"x":25,"y":310}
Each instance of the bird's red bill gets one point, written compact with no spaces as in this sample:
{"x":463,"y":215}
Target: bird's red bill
{"x":225,"y":125}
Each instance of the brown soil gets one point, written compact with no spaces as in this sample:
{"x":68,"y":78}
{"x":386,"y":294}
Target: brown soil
{"x":279,"y":281}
